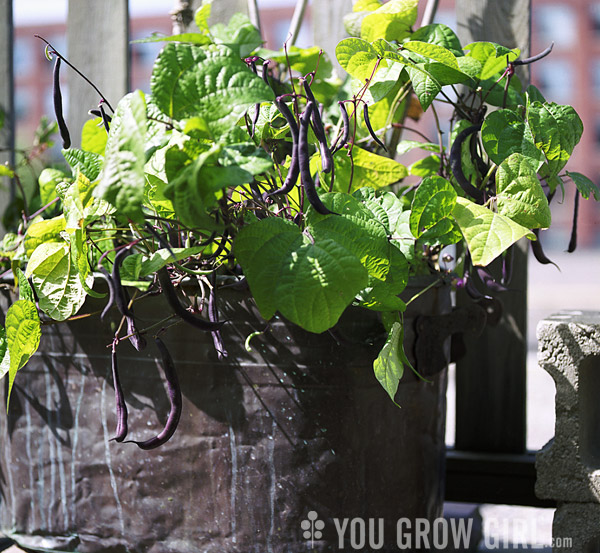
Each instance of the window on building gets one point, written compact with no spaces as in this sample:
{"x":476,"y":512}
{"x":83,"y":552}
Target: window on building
{"x":23,"y":104}
{"x":145,"y":53}
{"x":23,"y":60}
{"x":555,"y":78}
{"x":595,"y":77}
{"x":446,"y":16}
{"x":597,"y":132}
{"x":555,"y":23}
{"x":595,"y":17}
{"x":280,"y":33}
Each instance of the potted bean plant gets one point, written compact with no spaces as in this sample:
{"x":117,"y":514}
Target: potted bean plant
{"x":211,"y":331}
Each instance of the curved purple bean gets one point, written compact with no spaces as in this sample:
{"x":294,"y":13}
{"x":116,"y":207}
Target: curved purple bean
{"x":489,"y":281}
{"x":342,"y":140}
{"x":121,"y":406}
{"x":294,"y":170}
{"x":111,"y":292}
{"x":470,"y":288}
{"x":58,"y":110}
{"x":122,"y":301}
{"x":161,"y":240}
{"x":169,"y":291}
{"x":537,"y":57}
{"x":265,"y":72}
{"x":573,"y":240}
{"x":456,"y":164}
{"x":538,"y":252}
{"x":106,"y":119}
{"x":304,"y":160}
{"x":136,"y":339}
{"x":175,"y":400}
{"x":370,"y":128}
{"x":319,"y":130}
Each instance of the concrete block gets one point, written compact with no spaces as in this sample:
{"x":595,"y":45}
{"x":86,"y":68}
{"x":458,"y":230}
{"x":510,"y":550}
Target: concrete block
{"x":576,"y":528}
{"x":568,"y":467}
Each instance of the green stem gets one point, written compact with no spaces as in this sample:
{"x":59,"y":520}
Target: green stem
{"x":424,"y":291}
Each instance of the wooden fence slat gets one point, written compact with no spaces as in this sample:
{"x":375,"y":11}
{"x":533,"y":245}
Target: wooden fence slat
{"x":491,"y":379}
{"x":222,"y":10}
{"x":98,"y":45}
{"x":328,"y":24}
{"x":7,"y":135}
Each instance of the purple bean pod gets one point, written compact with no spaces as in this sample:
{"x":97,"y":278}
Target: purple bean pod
{"x":304,"y":160}
{"x":456,"y":164}
{"x":538,"y":251}
{"x":294,"y":170}
{"x":58,"y":109}
{"x":319,"y":130}
{"x":121,"y":406}
{"x":342,"y":140}
{"x":111,"y":291}
{"x":370,"y":128}
{"x":171,"y":296}
{"x":573,"y":240}
{"x":175,"y":401}
{"x":527,"y":61}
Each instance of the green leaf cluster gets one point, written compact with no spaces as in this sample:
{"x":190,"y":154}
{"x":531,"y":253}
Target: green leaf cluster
{"x":188,"y":176}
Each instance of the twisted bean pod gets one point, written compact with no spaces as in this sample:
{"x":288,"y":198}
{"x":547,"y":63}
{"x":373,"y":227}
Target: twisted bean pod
{"x":175,"y":400}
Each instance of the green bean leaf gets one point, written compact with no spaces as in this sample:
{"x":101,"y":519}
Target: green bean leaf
{"x":55,"y":277}
{"x":93,"y":136}
{"x":441,"y":35}
{"x":586,"y":186}
{"x":88,"y":163}
{"x":25,"y":291}
{"x":556,"y":131}
{"x":23,"y":333}
{"x":488,"y":234}
{"x":4,"y":355}
{"x":122,"y":180}
{"x":309,"y":282}
{"x":519,"y":193}
{"x":431,"y":218}
{"x":389,"y":365}
{"x":504,"y":132}
{"x":357,"y":57}
{"x":392,"y":21}
{"x":239,"y":35}
{"x":364,"y":169}
{"x":210,"y":83}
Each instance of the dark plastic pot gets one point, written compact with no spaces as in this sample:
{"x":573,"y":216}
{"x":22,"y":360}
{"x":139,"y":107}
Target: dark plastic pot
{"x":297,"y":424}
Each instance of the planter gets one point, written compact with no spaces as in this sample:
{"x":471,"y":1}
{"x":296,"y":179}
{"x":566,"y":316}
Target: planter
{"x":298,"y":424}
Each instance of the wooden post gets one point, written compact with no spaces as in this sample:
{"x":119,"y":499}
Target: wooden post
{"x":328,"y":24}
{"x":98,"y":45}
{"x":7,"y":133}
{"x":221,"y":11}
{"x":491,"y":379}
{"x":182,"y":15}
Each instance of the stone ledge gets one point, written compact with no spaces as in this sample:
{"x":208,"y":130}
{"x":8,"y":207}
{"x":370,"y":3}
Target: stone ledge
{"x":568,"y":467}
{"x":576,"y":528}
